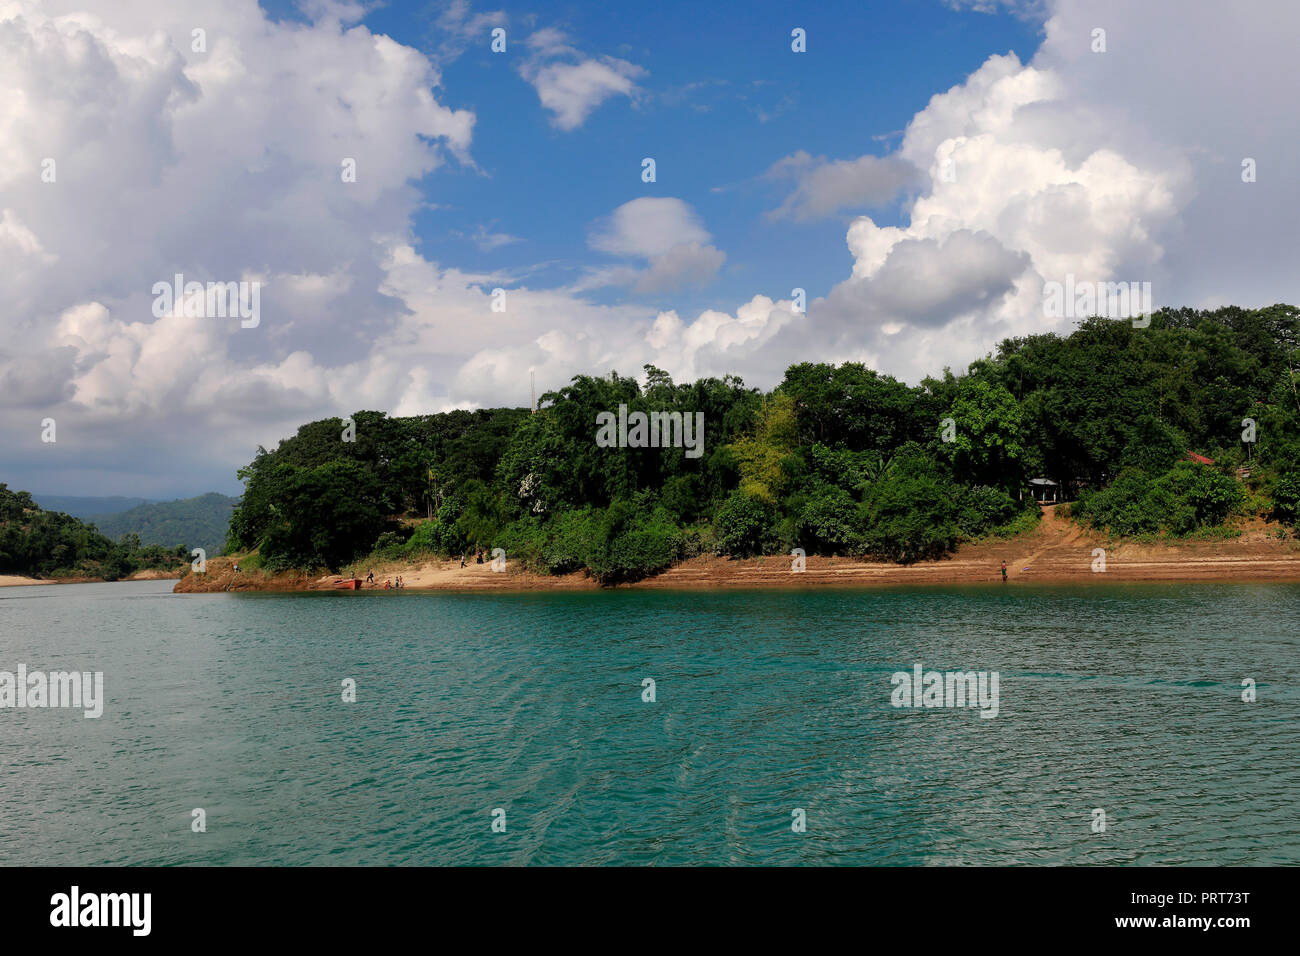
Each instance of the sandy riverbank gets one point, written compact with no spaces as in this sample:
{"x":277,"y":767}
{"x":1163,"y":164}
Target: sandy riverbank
{"x":17,"y":580}
{"x":1057,"y":551}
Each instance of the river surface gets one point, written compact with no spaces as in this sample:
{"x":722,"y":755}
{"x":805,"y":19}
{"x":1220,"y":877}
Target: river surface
{"x":1124,"y":699}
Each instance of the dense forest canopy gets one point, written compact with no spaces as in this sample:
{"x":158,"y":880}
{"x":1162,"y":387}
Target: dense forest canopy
{"x":835,"y":460}
{"x":39,"y":543}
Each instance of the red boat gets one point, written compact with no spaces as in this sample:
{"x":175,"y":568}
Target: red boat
{"x":352,"y":584}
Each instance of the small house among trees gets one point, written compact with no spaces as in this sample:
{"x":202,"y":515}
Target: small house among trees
{"x":1045,"y":491}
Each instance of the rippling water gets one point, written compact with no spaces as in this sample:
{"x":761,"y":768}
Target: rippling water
{"x":1120,"y":697}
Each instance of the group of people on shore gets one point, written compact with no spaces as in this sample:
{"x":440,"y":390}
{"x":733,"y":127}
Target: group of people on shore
{"x":392,"y":584}
{"x":478,"y":557}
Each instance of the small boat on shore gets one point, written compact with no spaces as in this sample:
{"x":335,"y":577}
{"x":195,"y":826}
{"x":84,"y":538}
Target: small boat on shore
{"x":348,"y":584}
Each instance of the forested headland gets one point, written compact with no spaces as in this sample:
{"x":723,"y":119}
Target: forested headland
{"x":50,"y":544}
{"x":1185,"y":428}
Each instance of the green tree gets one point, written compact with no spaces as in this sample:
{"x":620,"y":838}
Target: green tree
{"x":987,"y":448}
{"x":763,"y":458}
{"x":324,"y":516}
{"x":745,"y":526}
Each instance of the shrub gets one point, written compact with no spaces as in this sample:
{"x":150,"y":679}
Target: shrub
{"x":427,"y":539}
{"x":1024,"y":522}
{"x":1211,"y":496}
{"x":634,"y":544}
{"x":1120,"y":507}
{"x":391,"y":544}
{"x":572,"y":538}
{"x":441,"y":535}
{"x":523,"y":541}
{"x":911,"y":517}
{"x":1286,"y":498}
{"x":1183,"y":500}
{"x":830,"y":523}
{"x":982,"y":508}
{"x":744,"y":525}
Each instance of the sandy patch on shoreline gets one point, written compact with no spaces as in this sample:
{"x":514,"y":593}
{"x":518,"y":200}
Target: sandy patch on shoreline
{"x":17,"y":581}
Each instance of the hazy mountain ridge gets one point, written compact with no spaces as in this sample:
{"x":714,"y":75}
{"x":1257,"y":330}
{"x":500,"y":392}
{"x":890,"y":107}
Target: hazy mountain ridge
{"x":84,"y":507}
{"x":198,"y":522}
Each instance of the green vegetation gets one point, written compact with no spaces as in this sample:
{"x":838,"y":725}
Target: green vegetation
{"x":835,"y":460}
{"x":1186,"y":499}
{"x":199,"y":522}
{"x":39,"y":543}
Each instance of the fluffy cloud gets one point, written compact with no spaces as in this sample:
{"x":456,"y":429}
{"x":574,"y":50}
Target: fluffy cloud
{"x":225,"y":164}
{"x":1031,"y":172}
{"x":648,"y":227}
{"x":220,"y":164}
{"x":1111,"y":167}
{"x":1021,"y":191}
{"x":665,"y":231}
{"x":571,"y":85}
{"x":824,"y":187}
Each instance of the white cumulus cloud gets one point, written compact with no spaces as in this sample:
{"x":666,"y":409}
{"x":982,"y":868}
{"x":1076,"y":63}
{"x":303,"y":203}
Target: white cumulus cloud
{"x":571,"y":85}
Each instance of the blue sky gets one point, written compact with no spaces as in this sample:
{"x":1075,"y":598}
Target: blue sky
{"x":723,"y":99}
{"x":924,"y":171}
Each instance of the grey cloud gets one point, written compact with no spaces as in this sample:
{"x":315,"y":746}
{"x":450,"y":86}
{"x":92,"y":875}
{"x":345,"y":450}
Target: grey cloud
{"x":825,"y":187}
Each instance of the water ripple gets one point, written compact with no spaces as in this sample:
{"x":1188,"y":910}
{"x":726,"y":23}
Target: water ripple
{"x":1124,"y":698}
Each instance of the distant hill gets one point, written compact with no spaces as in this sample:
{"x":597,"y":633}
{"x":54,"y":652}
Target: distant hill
{"x":199,"y":522}
{"x":53,"y":544}
{"x":85,"y":507}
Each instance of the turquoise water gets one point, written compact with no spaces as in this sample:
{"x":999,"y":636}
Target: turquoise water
{"x":1122,"y":697}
